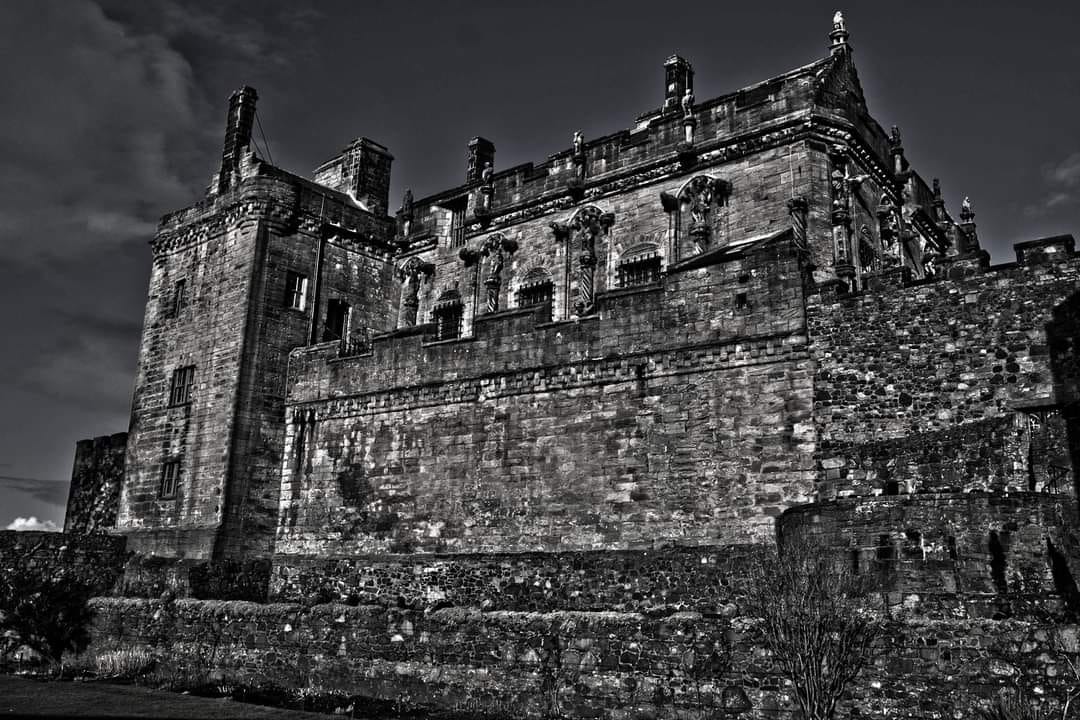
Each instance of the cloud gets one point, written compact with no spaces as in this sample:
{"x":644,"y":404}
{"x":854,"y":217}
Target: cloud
{"x":32,"y":523}
{"x":52,"y":492}
{"x":1062,"y":182}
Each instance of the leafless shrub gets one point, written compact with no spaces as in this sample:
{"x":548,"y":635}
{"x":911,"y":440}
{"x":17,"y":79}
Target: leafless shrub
{"x":816,"y":618}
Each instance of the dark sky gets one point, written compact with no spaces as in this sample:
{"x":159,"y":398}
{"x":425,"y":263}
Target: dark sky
{"x":111,"y":114}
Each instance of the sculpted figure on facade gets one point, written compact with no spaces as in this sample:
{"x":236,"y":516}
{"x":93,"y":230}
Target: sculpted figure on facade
{"x":698,"y":202}
{"x":585,"y":227}
{"x":411,"y":274}
{"x":496,"y":249}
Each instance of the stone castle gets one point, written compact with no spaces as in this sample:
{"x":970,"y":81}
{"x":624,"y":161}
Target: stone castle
{"x":592,"y":384}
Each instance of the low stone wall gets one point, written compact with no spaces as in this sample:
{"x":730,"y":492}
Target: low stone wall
{"x":99,"y":559}
{"x":668,"y":579}
{"x":596,"y":665}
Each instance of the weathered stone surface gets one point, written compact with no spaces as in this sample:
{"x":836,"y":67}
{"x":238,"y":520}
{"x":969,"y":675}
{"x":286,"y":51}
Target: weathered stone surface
{"x":95,"y":484}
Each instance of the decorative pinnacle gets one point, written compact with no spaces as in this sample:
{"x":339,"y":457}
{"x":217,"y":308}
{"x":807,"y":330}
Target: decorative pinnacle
{"x":967,"y":215}
{"x":839,"y":34}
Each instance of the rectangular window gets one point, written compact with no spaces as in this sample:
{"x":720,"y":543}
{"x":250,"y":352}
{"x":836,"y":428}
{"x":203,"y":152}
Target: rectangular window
{"x":337,"y":320}
{"x":295,"y":290}
{"x":457,"y":227}
{"x":179,"y":298}
{"x":180,"y":388}
{"x":639,"y":271}
{"x":537,"y":295}
{"x":170,"y":479}
{"x":448,"y":321}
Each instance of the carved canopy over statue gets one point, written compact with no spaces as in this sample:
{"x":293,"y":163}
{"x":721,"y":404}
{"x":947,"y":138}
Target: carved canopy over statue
{"x":696,"y":206}
{"x":586,"y":225}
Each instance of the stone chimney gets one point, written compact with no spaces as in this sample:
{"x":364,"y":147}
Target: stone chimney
{"x":237,"y":134}
{"x":481,"y":153}
{"x":678,"y":78}
{"x":361,"y":171}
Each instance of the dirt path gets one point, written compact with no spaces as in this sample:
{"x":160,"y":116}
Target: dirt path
{"x":22,"y":697}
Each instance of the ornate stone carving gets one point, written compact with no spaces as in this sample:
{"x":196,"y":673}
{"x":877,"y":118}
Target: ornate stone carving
{"x":406,"y":213}
{"x":584,"y":228}
{"x":697,"y":203}
{"x":496,"y":248}
{"x":411,"y":273}
{"x":797,"y":209}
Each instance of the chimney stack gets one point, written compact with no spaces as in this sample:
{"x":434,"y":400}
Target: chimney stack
{"x":237,"y":133}
{"x":678,"y":78}
{"x":481,"y":153}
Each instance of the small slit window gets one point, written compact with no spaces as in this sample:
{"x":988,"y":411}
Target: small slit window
{"x":170,"y":479}
{"x":179,"y":298}
{"x":180,"y":388}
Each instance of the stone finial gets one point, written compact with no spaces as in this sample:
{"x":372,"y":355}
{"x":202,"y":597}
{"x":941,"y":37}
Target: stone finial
{"x":967,"y":215}
{"x":839,"y":34}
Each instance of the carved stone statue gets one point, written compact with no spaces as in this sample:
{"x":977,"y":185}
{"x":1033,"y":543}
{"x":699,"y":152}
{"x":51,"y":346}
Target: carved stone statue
{"x":838,"y":22}
{"x":688,"y":103}
{"x":586,"y":225}
{"x":966,"y":213}
{"x":486,"y":174}
{"x":411,"y":273}
{"x":579,"y":143}
{"x":495,"y":249}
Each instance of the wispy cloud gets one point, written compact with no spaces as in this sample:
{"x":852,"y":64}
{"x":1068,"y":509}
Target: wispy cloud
{"x":1062,"y":186}
{"x":53,"y":492}
{"x":32,"y":523}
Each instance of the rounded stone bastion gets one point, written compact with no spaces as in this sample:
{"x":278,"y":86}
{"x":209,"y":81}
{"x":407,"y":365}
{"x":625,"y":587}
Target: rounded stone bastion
{"x":953,"y":555}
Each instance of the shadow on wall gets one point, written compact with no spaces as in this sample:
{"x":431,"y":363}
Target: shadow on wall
{"x":1063,"y":341}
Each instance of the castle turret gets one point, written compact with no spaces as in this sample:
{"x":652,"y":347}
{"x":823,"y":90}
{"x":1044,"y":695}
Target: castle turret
{"x":238,"y":126}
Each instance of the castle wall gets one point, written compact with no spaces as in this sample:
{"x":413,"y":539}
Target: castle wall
{"x":671,"y":415}
{"x":948,"y":385}
{"x":94,"y":495}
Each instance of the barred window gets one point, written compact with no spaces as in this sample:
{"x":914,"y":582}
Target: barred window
{"x":639,"y":270}
{"x":295,"y":290}
{"x":170,"y":479}
{"x":537,"y":294}
{"x":447,"y":318}
{"x":457,"y":227}
{"x":180,"y":388}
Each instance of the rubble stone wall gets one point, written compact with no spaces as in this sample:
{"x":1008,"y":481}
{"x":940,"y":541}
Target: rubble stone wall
{"x":598,"y":665}
{"x":94,"y":496}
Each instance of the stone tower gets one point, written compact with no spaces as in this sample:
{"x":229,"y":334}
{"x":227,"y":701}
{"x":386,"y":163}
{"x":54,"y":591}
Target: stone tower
{"x":267,"y":262}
